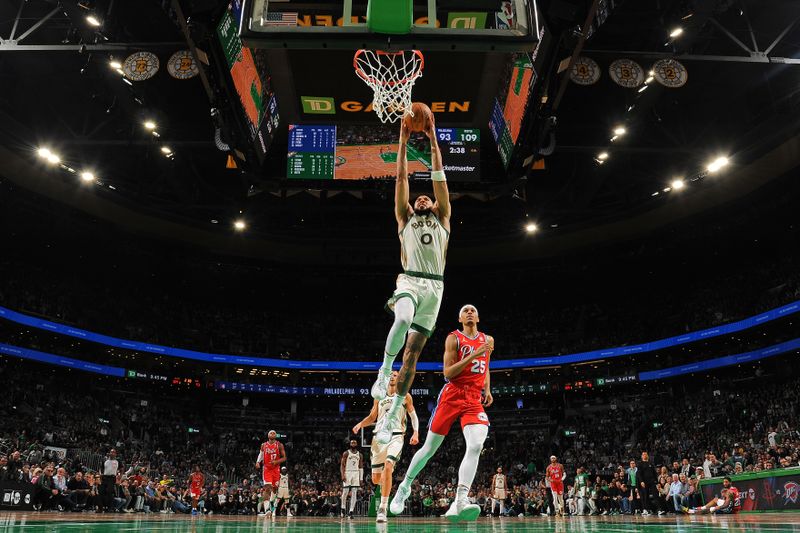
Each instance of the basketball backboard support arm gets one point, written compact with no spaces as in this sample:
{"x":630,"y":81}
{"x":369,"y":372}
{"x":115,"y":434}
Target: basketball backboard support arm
{"x":264,"y":25}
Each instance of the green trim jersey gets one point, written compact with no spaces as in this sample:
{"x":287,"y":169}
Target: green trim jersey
{"x":423,"y":245}
{"x":385,"y":405}
{"x":353,"y":460}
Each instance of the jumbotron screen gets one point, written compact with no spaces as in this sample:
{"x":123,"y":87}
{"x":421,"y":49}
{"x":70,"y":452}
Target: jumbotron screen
{"x":326,"y":152}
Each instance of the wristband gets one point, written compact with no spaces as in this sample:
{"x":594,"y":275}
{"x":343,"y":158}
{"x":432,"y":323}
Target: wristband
{"x":438,"y":175}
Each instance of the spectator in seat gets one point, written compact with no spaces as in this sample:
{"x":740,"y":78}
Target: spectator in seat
{"x":46,"y":493}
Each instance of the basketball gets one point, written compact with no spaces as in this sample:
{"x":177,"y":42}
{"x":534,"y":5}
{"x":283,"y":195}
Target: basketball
{"x":422,"y":115}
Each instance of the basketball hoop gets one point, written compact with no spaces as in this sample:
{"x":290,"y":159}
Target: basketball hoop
{"x":391,"y":76}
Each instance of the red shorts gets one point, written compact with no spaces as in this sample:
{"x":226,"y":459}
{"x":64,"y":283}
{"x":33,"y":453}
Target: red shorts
{"x":195,"y":492}
{"x":271,"y":476}
{"x":557,"y":487}
{"x":457,"y":402}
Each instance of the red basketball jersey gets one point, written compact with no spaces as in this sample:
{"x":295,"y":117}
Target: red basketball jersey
{"x":197,"y":480}
{"x":555,"y":472}
{"x":270,"y":451}
{"x":474,"y":374}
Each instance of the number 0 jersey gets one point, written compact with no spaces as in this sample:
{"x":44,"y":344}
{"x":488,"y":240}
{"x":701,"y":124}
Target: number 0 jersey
{"x":474,"y":374}
{"x":423,"y":246}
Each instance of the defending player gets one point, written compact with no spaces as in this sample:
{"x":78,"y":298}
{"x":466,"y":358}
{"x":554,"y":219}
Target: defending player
{"x":466,"y":370}
{"x":352,"y":466}
{"x":196,"y":483}
{"x":424,"y":231}
{"x":384,"y":456}
{"x":728,"y":502}
{"x":498,"y":491}
{"x":556,"y":474}
{"x":270,"y":455}
{"x":283,"y":493}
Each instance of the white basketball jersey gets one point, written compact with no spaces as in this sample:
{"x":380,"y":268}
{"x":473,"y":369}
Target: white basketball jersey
{"x":283,"y":483}
{"x":423,"y":245}
{"x":500,"y":482}
{"x":352,"y":461}
{"x":385,"y":405}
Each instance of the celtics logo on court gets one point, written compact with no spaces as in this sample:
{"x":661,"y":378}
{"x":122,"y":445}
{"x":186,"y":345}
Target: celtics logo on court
{"x":182,"y":66}
{"x":585,"y":71}
{"x":670,"y":73}
{"x":140,"y":66}
{"x":626,"y":73}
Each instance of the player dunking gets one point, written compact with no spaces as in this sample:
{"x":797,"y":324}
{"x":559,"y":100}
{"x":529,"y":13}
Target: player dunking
{"x":352,"y":466}
{"x":270,"y":455}
{"x":384,"y":456}
{"x":466,"y":370}
{"x":556,"y":474}
{"x":498,"y":491}
{"x":196,"y":483}
{"x":424,"y":231}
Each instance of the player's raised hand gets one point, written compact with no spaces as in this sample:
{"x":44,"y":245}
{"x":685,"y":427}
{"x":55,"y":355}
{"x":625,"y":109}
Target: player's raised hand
{"x":430,"y":129}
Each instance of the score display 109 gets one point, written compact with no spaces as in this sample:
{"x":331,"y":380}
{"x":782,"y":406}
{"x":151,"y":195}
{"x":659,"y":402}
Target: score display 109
{"x":457,"y":138}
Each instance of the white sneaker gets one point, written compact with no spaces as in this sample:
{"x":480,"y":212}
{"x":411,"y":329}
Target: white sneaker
{"x":381,"y":518}
{"x":660,"y":513}
{"x":399,"y":501}
{"x":380,"y":388}
{"x":462,"y":510}
{"x":645,"y":512}
{"x":289,"y":514}
{"x":383,"y":430}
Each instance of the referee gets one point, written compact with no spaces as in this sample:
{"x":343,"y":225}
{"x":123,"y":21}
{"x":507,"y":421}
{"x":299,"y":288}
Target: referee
{"x":108,"y":485}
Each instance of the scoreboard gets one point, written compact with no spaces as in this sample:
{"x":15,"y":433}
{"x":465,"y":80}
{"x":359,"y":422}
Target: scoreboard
{"x":312,"y":151}
{"x":461,"y":153}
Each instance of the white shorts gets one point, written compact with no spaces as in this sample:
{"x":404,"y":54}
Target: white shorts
{"x":283,"y":493}
{"x":427,"y":297}
{"x":499,"y":494}
{"x":352,"y":479}
{"x":380,"y":453}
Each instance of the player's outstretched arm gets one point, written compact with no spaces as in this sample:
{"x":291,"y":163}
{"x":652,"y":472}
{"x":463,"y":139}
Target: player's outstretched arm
{"x":401,"y":190}
{"x":412,"y":414}
{"x":452,"y":366}
{"x":369,"y":419}
{"x":440,"y":190}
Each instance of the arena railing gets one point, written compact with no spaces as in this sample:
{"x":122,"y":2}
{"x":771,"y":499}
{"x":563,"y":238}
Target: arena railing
{"x":499,"y":364}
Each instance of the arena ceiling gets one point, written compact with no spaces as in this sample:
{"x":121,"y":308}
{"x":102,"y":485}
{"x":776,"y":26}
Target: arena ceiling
{"x":740,"y":101}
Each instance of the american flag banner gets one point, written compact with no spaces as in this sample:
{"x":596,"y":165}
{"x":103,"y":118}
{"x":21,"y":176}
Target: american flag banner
{"x":281,"y":19}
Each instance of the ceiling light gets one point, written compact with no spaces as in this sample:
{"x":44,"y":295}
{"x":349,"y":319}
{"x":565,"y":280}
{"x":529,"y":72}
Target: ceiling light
{"x":717,"y":164}
{"x":649,"y":79}
{"x":531,"y":227}
{"x":166,"y":150}
{"x":655,"y":194}
{"x":115,"y":64}
{"x":150,"y":125}
{"x":126,"y":80}
{"x":44,"y":153}
{"x":240,"y":225}
{"x":93,"y":20}
{"x":676,"y":32}
{"x":651,"y":73}
{"x":120,"y":71}
{"x":644,"y":87}
{"x":156,"y":134}
{"x":87,"y":176}
{"x":620,"y":130}
{"x":677,"y":184}
{"x":602,"y":156}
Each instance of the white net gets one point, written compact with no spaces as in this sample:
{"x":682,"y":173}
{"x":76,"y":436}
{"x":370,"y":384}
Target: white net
{"x":391,"y":76}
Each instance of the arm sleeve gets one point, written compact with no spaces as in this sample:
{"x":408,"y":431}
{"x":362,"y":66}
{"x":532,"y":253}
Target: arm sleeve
{"x":414,"y":420}
{"x":260,"y":456}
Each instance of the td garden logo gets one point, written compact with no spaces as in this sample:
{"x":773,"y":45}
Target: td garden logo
{"x":326,"y":105}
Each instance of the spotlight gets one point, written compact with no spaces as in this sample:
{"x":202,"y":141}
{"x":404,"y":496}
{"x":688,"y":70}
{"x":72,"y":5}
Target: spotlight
{"x":166,"y":150}
{"x":717,"y":164}
{"x":120,"y":71}
{"x":531,"y":227}
{"x":44,"y":153}
{"x":676,"y":32}
{"x":620,"y":130}
{"x":93,"y":20}
{"x":115,"y":64}
{"x":54,"y":159}
{"x":87,"y":176}
{"x":602,"y":156}
{"x":150,"y":125}
{"x":649,"y":79}
{"x":126,"y":80}
{"x":239,"y":225}
{"x":642,"y":89}
{"x":677,"y":184}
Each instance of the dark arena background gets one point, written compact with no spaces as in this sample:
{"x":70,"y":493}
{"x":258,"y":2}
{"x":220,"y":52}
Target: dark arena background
{"x":198,"y":238}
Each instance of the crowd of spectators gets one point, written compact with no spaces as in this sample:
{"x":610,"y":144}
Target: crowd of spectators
{"x":57,"y":438}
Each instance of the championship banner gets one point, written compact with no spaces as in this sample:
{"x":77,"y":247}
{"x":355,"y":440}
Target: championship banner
{"x":769,"y":490}
{"x":585,"y":71}
{"x":140,"y":66}
{"x":670,"y":73}
{"x":626,"y":73}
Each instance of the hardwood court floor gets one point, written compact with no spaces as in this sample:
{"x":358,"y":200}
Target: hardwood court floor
{"x":359,"y":162}
{"x":115,"y":523}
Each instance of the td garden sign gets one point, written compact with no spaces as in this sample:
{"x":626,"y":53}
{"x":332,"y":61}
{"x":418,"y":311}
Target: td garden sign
{"x":326,"y":105}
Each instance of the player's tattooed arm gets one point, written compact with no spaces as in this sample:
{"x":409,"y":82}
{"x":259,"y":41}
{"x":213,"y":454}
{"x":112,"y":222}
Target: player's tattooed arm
{"x":369,"y":419}
{"x":440,"y":190}
{"x":402,"y":208}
